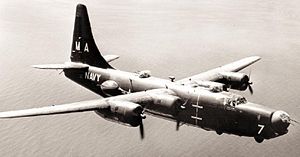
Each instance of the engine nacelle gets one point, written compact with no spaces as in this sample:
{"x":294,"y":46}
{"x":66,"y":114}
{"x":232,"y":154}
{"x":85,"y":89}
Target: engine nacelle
{"x":213,"y":86}
{"x":166,"y":104}
{"x":123,"y":112}
{"x":111,"y":88}
{"x":235,"y":80}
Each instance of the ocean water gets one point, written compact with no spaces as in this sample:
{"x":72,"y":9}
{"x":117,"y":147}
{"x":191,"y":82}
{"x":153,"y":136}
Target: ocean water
{"x":171,"y":37}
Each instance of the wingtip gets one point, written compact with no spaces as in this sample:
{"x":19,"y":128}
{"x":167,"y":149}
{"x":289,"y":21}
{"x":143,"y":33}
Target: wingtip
{"x":35,"y":66}
{"x":38,"y":66}
{"x":41,"y":66}
{"x":255,"y":58}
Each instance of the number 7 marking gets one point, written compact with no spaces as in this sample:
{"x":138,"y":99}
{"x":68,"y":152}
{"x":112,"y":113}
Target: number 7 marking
{"x":261,"y":128}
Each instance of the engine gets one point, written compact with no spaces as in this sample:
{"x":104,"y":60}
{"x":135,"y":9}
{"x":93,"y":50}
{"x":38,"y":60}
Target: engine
{"x":213,"y":86}
{"x":111,"y":88}
{"x":124,"y":112}
{"x":234,"y":80}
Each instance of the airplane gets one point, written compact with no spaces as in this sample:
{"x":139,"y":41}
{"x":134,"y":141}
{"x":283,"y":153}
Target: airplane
{"x":203,"y":100}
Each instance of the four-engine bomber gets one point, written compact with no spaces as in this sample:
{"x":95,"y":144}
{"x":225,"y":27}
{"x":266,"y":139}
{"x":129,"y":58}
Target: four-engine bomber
{"x":203,"y":100}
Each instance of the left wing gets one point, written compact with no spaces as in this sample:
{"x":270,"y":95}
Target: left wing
{"x":214,"y":74}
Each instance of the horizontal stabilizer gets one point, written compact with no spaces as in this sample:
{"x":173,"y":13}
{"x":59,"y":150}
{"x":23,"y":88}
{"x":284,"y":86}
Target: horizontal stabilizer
{"x":67,"y":65}
{"x":83,"y":106}
{"x":72,"y":65}
{"x":110,"y":58}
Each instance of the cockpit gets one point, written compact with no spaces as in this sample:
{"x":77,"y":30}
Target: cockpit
{"x":234,"y":100}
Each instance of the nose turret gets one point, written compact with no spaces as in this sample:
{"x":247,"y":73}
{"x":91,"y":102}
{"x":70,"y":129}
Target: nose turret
{"x":280,"y":121}
{"x":269,"y":123}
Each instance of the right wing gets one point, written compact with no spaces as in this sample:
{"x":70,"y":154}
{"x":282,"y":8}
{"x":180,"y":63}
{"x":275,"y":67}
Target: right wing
{"x":57,"y":109}
{"x":141,"y":98}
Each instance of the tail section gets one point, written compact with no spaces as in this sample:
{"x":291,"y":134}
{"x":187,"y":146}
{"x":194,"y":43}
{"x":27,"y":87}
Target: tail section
{"x":84,"y":48}
{"x":84,"y":54}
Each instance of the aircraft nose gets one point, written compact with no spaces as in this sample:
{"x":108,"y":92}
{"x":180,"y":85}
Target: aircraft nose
{"x":280,"y":121}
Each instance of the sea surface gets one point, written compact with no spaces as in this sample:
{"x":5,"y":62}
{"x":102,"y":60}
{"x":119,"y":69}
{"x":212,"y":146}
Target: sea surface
{"x":168,"y":37}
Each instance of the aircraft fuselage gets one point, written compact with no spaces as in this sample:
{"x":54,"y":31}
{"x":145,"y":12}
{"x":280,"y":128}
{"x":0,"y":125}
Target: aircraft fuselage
{"x":201,"y":107}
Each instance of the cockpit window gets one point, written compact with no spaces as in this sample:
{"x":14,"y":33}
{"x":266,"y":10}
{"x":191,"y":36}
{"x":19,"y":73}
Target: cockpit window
{"x":241,"y":100}
{"x":235,"y":100}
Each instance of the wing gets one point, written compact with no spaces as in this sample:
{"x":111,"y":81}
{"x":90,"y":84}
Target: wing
{"x":142,"y":98}
{"x":214,"y":74}
{"x":57,"y":109}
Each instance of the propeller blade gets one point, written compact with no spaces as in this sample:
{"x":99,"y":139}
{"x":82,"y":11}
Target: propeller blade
{"x":250,"y":70}
{"x":142,"y":130}
{"x":177,"y":125}
{"x":249,"y":82}
{"x":250,"y":89}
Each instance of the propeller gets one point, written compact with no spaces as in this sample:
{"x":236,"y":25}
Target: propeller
{"x":250,"y":87}
{"x":60,"y":72}
{"x":142,"y":125}
{"x":177,"y":125}
{"x":142,"y":130}
{"x":249,"y":83}
{"x":181,"y":107}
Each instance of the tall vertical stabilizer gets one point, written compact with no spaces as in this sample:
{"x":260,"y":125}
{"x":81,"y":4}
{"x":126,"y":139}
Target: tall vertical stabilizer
{"x":84,"y":48}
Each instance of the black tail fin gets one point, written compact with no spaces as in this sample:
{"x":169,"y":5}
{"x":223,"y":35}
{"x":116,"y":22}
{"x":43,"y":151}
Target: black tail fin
{"x":84,"y":48}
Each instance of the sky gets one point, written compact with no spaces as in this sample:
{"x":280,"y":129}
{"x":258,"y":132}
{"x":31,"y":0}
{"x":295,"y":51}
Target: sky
{"x":171,"y":37}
